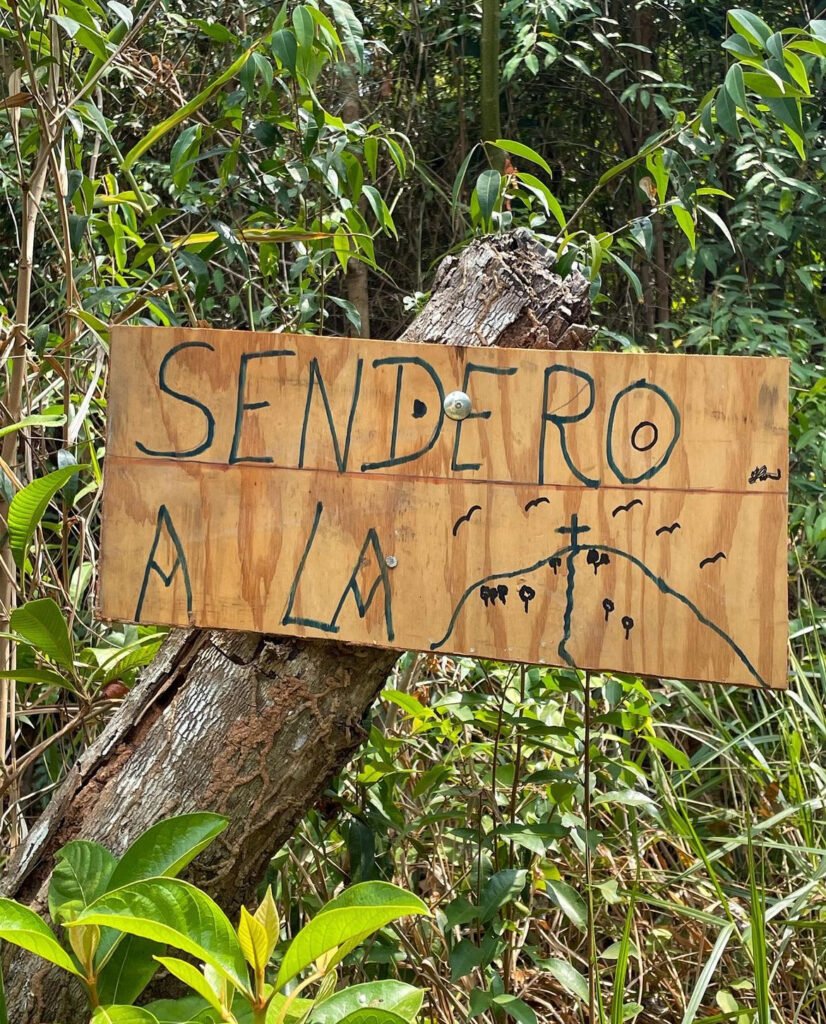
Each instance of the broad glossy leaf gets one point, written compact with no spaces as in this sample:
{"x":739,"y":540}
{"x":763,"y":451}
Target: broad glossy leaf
{"x":735,"y":86}
{"x":28,"y":505}
{"x":33,"y":421}
{"x":296,"y":1011}
{"x":304,"y":28}
{"x":686,"y":223}
{"x":23,"y":928}
{"x":166,"y":848}
{"x":395,"y":996}
{"x":369,"y":1016}
{"x":352,"y":35}
{"x":487,"y":192}
{"x":553,"y":203}
{"x":81,"y":874}
{"x":175,"y":912}
{"x":515,"y":1008}
{"x":187,"y":1010}
{"x":129,"y":968}
{"x":267,"y":916}
{"x":345,"y":921}
{"x":192,"y":978}
{"x":39,"y":675}
{"x":285,"y":48}
{"x":726,"y":112}
{"x":519,"y":149}
{"x":41,"y":623}
{"x":500,"y":888}
{"x":569,"y":902}
{"x":568,"y":976}
{"x":252,"y":935}
{"x":123,"y":1015}
{"x":750,"y":26}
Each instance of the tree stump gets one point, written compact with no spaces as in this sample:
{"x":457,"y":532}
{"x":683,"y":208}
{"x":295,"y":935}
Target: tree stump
{"x":249,"y":726}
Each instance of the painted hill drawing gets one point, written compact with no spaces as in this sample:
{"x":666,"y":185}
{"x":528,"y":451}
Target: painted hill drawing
{"x":581,"y":589}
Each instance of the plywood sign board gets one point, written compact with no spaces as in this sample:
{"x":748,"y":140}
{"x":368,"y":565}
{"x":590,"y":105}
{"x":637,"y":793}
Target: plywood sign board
{"x":597,"y":510}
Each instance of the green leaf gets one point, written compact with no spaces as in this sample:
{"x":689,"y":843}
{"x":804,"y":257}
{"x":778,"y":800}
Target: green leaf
{"x":686,"y":223}
{"x":752,"y":28}
{"x":567,"y":976}
{"x":267,"y":916}
{"x":123,"y":1015}
{"x":624,"y":797}
{"x":187,"y":1010}
{"x":716,"y":219}
{"x":487,"y":192}
{"x":344,"y":922}
{"x":395,"y":996}
{"x":41,"y":624}
{"x":569,"y":902}
{"x":122,"y":12}
{"x":167,"y":847}
{"x":459,"y":180}
{"x":69,"y":25}
{"x":553,"y":203}
{"x":28,"y":505}
{"x":500,"y":888}
{"x":23,"y":928}
{"x":516,"y":1008}
{"x":519,"y":149}
{"x":295,"y":1010}
{"x":464,"y":958}
{"x":252,"y":936}
{"x":735,"y":86}
{"x":304,"y":27}
{"x":33,"y":421}
{"x":39,"y":675}
{"x":81,"y":873}
{"x":726,"y":113}
{"x":285,"y":48}
{"x":175,"y":912}
{"x":352,"y":33}
{"x":186,"y":111}
{"x":129,"y":968}
{"x":623,"y":165}
{"x":642,"y":231}
{"x":183,"y":154}
{"x":371,"y":1016}
{"x":629,"y":273}
{"x":191,"y":977}
{"x":679,"y":757}
{"x":164,"y":850}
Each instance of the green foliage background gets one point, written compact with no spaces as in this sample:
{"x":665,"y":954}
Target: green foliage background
{"x":236,"y":165}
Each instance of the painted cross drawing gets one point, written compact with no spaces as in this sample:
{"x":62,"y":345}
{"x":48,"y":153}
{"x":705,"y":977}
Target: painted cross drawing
{"x":592,"y":510}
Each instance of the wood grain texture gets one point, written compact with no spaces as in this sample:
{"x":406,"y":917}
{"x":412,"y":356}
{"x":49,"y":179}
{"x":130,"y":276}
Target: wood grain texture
{"x":608,"y":511}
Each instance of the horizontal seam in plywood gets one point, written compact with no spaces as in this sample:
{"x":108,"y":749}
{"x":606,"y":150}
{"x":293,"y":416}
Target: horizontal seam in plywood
{"x":264,"y":466}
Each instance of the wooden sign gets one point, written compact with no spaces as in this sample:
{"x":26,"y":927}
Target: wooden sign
{"x":597,"y":510}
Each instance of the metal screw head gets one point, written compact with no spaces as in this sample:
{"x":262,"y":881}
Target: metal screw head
{"x":457,"y":405}
{"x":391,"y":561}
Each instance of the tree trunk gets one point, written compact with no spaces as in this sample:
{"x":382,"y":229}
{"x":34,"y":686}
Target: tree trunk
{"x":356,"y":280}
{"x":489,"y":82}
{"x":251,"y":726}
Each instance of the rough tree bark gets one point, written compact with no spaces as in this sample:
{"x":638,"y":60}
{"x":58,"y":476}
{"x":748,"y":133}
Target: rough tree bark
{"x":251,"y":726}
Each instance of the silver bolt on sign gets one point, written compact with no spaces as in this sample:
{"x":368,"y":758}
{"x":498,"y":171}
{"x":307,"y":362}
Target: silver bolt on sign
{"x":457,"y":405}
